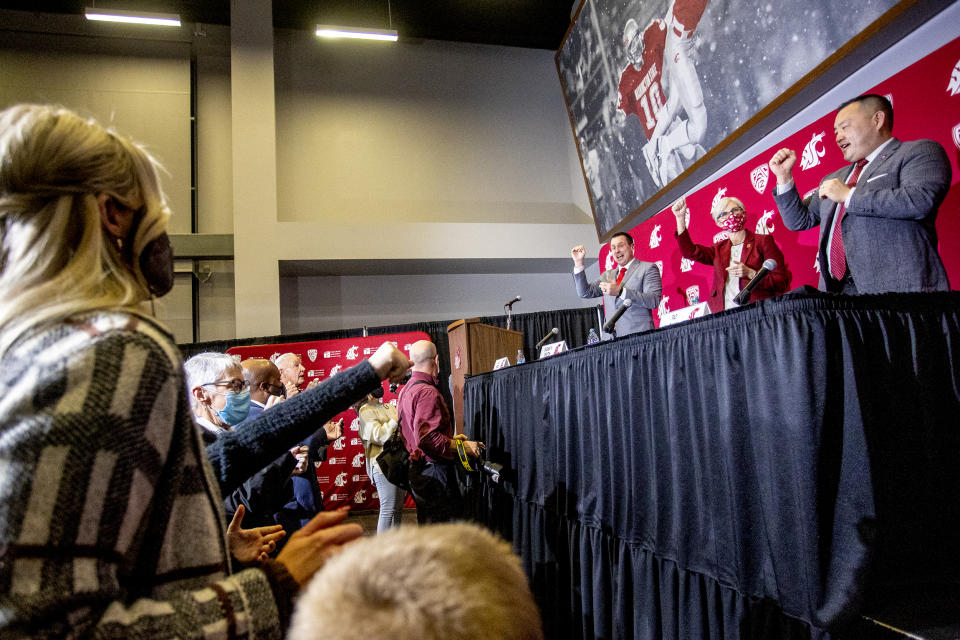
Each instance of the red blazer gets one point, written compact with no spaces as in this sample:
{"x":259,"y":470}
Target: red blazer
{"x":756,"y":249}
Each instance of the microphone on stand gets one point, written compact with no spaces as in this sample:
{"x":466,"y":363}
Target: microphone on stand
{"x":510,"y":304}
{"x":550,"y":333}
{"x":768,"y":265}
{"x":608,"y":327}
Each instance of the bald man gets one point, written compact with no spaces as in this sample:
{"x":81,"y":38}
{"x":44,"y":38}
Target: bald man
{"x":263,"y":377}
{"x":428,"y":432}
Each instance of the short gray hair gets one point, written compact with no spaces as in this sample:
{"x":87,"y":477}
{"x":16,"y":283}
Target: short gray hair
{"x":205,"y":368}
{"x":717,"y":210}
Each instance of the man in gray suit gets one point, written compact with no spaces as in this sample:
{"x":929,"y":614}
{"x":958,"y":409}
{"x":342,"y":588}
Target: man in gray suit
{"x":631,"y":279}
{"x":877,"y":217}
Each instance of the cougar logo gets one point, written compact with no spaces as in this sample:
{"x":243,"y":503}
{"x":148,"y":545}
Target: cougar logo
{"x":721,"y":194}
{"x":360,"y":496}
{"x":812,"y":152}
{"x":338,"y":444}
{"x":686,"y":265}
{"x":355,"y":425}
{"x":357,"y":460}
{"x":693,"y":294}
{"x":953,"y":87}
{"x":312,"y":354}
{"x":816,"y":264}
{"x":759,"y":177}
{"x":664,"y":307}
{"x":956,"y":136}
{"x":610,"y":262}
{"x":340,"y":480}
{"x":655,"y":237}
{"x":335,"y":370}
{"x":765,"y":223}
{"x":352,"y":353}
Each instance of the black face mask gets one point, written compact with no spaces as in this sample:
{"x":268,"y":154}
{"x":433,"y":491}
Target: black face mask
{"x":156,"y":260}
{"x":156,"y":265}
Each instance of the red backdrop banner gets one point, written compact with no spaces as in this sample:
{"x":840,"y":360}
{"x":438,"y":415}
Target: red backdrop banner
{"x":343,"y":476}
{"x":926,"y":102}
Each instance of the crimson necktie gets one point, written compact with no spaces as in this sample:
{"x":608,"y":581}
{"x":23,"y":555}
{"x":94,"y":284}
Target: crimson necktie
{"x":838,"y":256}
{"x":623,"y":271}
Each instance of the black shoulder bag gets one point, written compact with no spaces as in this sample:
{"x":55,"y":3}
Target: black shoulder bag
{"x":394,"y":460}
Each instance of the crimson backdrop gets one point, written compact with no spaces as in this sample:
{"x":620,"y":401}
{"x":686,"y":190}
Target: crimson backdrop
{"x":926,"y":101}
{"x":343,"y":476}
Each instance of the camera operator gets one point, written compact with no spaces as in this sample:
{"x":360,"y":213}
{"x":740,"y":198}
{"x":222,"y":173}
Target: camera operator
{"x":428,"y":432}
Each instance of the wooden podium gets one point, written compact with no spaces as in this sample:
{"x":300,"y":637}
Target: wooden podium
{"x":474,"y":348}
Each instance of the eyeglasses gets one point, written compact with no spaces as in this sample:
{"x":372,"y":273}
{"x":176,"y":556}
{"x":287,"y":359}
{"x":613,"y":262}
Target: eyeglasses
{"x":724,"y":214}
{"x":236,"y":385}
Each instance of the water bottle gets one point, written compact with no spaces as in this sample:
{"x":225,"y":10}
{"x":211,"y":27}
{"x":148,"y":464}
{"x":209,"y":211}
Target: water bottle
{"x":592,"y":337}
{"x":520,"y":358}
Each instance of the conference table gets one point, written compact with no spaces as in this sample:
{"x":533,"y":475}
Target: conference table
{"x":771,"y":471}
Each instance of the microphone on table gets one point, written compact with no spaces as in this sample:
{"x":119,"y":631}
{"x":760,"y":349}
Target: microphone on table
{"x":768,"y":265}
{"x":510,"y":304}
{"x":622,"y":309}
{"x":550,"y":333}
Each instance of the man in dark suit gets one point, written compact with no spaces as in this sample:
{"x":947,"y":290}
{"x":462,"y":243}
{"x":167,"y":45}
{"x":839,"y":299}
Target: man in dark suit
{"x":877,"y":216}
{"x":264,"y":380}
{"x":634,"y":279}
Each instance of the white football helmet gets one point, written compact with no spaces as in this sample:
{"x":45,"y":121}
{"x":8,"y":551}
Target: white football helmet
{"x":633,"y":41}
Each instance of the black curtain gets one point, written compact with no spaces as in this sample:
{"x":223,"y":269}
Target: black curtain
{"x":765,"y":472}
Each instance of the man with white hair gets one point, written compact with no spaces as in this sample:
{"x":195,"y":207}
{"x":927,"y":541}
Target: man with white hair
{"x":439,"y":582}
{"x":428,"y":433}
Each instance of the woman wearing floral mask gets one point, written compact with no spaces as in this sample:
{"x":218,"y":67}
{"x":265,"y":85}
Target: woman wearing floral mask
{"x":736,"y":259}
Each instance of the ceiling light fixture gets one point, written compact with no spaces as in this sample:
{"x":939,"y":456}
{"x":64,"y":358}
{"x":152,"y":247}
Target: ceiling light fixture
{"x":333,"y":31}
{"x":133,"y":17}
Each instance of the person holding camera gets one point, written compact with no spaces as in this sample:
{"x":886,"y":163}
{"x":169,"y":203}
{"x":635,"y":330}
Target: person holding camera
{"x":428,"y":431}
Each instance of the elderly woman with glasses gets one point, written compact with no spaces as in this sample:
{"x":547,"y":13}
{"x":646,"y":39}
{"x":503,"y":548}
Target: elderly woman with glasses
{"x":736,"y":257}
{"x":111,"y":509}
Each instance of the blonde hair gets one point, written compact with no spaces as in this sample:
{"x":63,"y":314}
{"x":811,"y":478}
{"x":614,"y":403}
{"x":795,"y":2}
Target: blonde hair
{"x":56,"y":260}
{"x":435,"y":582}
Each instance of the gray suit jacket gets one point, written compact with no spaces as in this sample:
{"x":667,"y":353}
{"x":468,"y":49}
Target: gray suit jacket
{"x":643,"y":287}
{"x":889,"y":231}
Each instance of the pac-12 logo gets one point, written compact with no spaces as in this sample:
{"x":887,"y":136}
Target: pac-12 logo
{"x":693,"y":294}
{"x":953,"y":87}
{"x":759,"y":177}
{"x":312,"y":354}
{"x":813,"y":152}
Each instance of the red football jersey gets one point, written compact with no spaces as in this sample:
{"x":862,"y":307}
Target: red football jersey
{"x":640,"y":90}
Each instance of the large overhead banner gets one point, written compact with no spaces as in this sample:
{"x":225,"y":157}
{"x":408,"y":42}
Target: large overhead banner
{"x":653,"y":86}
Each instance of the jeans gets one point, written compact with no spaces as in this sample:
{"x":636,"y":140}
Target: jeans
{"x":391,"y":501}
{"x":436,"y":491}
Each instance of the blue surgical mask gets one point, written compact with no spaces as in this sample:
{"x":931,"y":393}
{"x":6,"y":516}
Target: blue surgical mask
{"x":236,"y":409}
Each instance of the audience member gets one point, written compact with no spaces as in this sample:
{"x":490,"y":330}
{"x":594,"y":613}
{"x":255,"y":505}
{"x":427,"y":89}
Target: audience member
{"x":428,"y":433}
{"x":378,"y":421}
{"x":111,"y":522}
{"x":438,"y":582}
{"x":263,"y":378}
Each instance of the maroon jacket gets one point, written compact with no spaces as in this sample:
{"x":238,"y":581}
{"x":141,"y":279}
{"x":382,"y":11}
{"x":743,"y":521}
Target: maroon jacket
{"x":756,"y":249}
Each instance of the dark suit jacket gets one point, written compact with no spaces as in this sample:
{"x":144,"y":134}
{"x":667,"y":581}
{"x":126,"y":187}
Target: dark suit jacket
{"x":643,"y":287}
{"x":889,"y":231}
{"x":756,"y":249}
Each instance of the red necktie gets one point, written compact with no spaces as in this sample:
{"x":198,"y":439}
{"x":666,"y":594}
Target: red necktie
{"x":838,"y":256}
{"x":623,"y":271}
